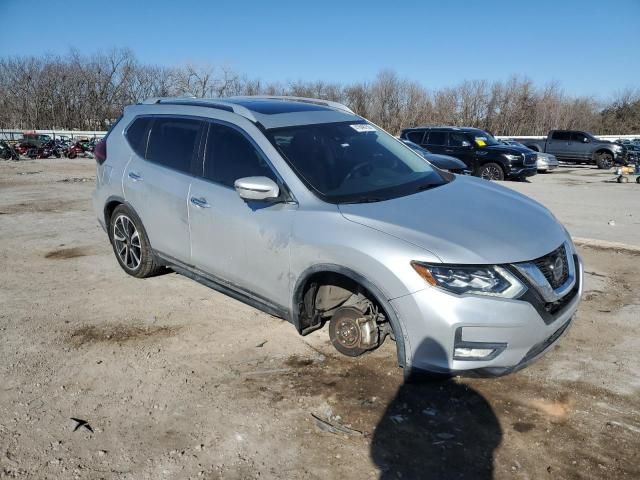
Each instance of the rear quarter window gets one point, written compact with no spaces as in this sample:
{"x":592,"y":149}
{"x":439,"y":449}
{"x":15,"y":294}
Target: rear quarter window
{"x":137,"y":135}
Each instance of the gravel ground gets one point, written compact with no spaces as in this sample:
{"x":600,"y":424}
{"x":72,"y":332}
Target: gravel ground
{"x":172,"y":380}
{"x":589,"y":202}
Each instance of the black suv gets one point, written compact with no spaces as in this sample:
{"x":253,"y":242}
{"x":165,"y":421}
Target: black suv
{"x":483,"y":154}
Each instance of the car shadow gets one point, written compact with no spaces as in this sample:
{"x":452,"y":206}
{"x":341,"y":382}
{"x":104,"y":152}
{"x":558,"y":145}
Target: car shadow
{"x":436,"y":429}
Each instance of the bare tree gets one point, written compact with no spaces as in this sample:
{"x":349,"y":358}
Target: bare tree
{"x":89,"y":92}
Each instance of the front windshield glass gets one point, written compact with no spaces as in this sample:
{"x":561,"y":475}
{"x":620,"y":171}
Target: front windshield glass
{"x":352,"y":162}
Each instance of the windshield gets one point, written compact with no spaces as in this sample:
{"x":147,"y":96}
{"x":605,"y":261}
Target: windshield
{"x":352,"y":162}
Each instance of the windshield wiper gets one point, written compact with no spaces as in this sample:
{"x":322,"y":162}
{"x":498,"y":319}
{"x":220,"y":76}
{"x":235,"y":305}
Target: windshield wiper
{"x":366,"y":200}
{"x":428,"y":186}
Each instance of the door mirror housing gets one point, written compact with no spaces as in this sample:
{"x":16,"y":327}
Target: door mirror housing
{"x":466,"y":144}
{"x":257,"y":188}
{"x":585,"y":140}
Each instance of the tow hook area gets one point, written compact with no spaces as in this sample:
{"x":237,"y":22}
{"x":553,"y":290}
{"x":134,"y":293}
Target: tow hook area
{"x":357,"y":326}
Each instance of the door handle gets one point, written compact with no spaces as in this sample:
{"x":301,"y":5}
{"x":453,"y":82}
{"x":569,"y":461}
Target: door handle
{"x":200,"y":202}
{"x":448,"y":150}
{"x":135,"y":177}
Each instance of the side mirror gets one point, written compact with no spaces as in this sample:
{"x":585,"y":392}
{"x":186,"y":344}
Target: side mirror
{"x":466,"y":144}
{"x":256,"y":188}
{"x":585,"y":140}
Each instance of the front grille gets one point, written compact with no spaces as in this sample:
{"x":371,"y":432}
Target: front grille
{"x":554,"y":267}
{"x":556,"y":307}
{"x":530,"y":158}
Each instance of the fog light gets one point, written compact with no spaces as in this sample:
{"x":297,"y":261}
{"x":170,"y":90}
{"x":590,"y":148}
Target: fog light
{"x":473,"y":352}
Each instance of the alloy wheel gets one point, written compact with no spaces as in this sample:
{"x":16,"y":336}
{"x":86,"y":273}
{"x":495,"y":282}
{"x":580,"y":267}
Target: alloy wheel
{"x":491,"y":172}
{"x":126,"y":240}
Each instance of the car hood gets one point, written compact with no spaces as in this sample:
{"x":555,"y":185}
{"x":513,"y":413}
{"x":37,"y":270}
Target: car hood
{"x":510,"y":149}
{"x":445,"y":162}
{"x":467,"y":221}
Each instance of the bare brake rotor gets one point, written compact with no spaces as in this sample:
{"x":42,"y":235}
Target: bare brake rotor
{"x":353,"y":331}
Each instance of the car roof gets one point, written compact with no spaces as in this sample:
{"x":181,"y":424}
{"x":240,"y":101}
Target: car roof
{"x":445,"y":128}
{"x":271,"y":111}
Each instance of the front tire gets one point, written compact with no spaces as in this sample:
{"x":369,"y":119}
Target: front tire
{"x":131,"y":244}
{"x":604,"y":160}
{"x":491,"y":171}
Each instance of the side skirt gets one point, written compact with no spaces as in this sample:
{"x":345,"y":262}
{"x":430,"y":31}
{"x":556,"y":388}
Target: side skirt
{"x":224,"y":287}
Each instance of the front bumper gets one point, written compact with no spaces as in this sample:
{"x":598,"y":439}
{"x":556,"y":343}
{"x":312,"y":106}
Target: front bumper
{"x":546,"y":166}
{"x":522,"y":172}
{"x":432,"y":318}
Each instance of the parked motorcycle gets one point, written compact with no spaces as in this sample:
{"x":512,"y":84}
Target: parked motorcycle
{"x":78,"y":149}
{"x":7,"y":152}
{"x":48,"y":149}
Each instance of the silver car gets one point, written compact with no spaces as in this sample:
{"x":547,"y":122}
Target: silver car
{"x":306,"y":211}
{"x":546,"y":162}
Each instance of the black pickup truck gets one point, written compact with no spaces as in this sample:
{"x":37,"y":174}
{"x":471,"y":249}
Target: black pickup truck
{"x":484,"y":155}
{"x":577,"y":146}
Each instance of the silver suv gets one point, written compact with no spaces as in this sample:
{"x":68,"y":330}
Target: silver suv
{"x":306,"y":211}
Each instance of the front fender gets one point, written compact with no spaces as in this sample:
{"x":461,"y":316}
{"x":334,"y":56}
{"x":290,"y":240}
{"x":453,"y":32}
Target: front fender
{"x":402,"y":341}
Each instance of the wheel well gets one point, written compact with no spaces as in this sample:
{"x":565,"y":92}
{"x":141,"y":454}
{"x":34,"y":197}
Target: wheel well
{"x":108,"y":211}
{"x":495,"y":162}
{"x":305,"y":316}
{"x":313,"y":293}
{"x":603,"y":150}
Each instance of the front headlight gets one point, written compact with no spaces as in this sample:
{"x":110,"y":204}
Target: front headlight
{"x":512,"y":158}
{"x":493,"y":281}
{"x":618,"y":148}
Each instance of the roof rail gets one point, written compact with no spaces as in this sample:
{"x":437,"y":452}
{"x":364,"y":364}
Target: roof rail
{"x":316,"y":101}
{"x":203,"y":102}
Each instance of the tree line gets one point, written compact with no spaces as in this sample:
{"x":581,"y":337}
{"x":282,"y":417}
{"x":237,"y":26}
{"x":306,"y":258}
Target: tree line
{"x":87,"y":92}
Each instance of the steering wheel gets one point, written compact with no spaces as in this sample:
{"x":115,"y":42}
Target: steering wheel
{"x":356,"y":168}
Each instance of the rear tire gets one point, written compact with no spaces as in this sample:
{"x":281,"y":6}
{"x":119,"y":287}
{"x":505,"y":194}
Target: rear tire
{"x":491,"y":171}
{"x":131,"y":244}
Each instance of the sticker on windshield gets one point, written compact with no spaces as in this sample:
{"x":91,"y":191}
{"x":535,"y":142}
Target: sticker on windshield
{"x":362,"y":127}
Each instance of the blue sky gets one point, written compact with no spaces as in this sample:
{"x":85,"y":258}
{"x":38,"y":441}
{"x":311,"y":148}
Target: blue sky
{"x":590,"y":47}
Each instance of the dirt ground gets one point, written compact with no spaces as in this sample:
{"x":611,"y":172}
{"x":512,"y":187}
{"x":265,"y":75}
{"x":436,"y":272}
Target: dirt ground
{"x":169,"y":379}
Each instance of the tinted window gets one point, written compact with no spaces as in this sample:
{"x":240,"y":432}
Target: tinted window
{"x":353,"y":162}
{"x":560,"y":136}
{"x":137,"y":135}
{"x":456,"y":139}
{"x":578,"y":137}
{"x":415,"y":137}
{"x":437,"y":138}
{"x":173,"y":142}
{"x":230,"y":156}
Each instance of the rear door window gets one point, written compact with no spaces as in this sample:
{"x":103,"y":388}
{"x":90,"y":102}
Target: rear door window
{"x":437,"y":138}
{"x":565,"y":136}
{"x":173,"y":142}
{"x":229,"y":155}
